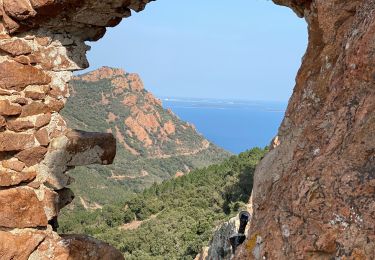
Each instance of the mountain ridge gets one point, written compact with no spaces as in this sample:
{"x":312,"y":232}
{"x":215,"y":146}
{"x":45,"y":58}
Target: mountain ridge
{"x":153,"y":143}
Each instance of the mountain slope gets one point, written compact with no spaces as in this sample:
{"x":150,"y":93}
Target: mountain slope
{"x":175,"y":219}
{"x":153,"y":143}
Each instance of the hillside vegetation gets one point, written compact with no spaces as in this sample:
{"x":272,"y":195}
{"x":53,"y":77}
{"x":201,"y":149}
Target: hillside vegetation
{"x":153,"y":144}
{"x":174,"y":219}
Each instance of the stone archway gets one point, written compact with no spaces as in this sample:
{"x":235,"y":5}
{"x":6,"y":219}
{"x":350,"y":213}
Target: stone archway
{"x":313,"y":193}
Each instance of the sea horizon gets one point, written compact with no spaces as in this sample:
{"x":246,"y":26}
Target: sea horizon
{"x":233,"y":124}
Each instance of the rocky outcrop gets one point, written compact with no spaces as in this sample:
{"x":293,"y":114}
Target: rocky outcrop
{"x":136,"y":117}
{"x":219,"y":247}
{"x":313,"y":194}
{"x":41,"y":43}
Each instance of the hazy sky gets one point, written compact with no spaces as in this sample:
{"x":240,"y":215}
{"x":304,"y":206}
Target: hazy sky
{"x":247,"y":49}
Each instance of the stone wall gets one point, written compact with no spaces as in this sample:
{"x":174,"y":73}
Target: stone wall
{"x":313,"y":194}
{"x":41,"y":43}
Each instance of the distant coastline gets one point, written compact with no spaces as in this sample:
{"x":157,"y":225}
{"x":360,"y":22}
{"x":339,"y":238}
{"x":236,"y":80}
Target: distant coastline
{"x":235,"y":125}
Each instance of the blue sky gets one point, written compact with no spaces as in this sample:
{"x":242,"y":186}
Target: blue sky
{"x":242,"y":49}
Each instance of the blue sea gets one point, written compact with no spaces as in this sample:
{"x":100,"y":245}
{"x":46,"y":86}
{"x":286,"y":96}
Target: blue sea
{"x":235,"y":125}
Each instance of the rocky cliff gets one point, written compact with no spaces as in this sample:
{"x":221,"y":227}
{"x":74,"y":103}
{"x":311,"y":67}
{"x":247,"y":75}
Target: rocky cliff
{"x":153,"y":144}
{"x":314,"y":193}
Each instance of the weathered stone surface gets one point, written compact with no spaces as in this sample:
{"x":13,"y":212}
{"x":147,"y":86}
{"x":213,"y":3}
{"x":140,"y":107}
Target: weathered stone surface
{"x":55,"y":105}
{"x":314,"y":192}
{"x":19,"y":245}
{"x":75,"y":247}
{"x":15,"y":142}
{"x":51,"y":203}
{"x":19,"y":125}
{"x":3,"y":123}
{"x":15,"y":47}
{"x":19,"y":9}
{"x":219,"y":246}
{"x":32,"y":156}
{"x":43,"y":120}
{"x":9,"y":109}
{"x":90,"y":148}
{"x":14,"y":75}
{"x":42,"y":137}
{"x":34,"y":108}
{"x":36,"y":92}
{"x":21,"y":101}
{"x":20,"y":208}
{"x":14,"y":165}
{"x":14,"y":178}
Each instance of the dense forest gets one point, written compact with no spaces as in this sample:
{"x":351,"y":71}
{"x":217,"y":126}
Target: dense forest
{"x":174,"y":219}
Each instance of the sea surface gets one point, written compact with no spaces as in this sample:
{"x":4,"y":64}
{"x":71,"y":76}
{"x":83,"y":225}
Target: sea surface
{"x":235,"y":125}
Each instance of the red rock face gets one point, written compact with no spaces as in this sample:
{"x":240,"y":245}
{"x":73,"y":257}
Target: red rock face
{"x":38,"y":53}
{"x":314,"y":192}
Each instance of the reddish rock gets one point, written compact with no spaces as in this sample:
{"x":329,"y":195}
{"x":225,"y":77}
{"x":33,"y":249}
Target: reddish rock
{"x":43,"y":120}
{"x":5,"y":92}
{"x":32,"y":156}
{"x":9,"y":24}
{"x":21,"y":101}
{"x":35,"y":95}
{"x":42,"y":137}
{"x":43,"y":41}
{"x":76,"y":247}
{"x":26,"y":60}
{"x":9,"y":109}
{"x":14,"y":165}
{"x":136,"y":83}
{"x":14,"y":75}
{"x":51,"y":203}
{"x":15,"y":142}
{"x":19,"y":9}
{"x":10,"y":179}
{"x":169,"y":128}
{"x":312,"y":192}
{"x":102,"y":73}
{"x":56,"y":92}
{"x":34,"y":108}
{"x":19,"y":125}
{"x":139,"y":131}
{"x":3,"y":122}
{"x":58,"y":129}
{"x":20,"y":208}
{"x":15,"y":47}
{"x":55,"y":105}
{"x":19,"y":245}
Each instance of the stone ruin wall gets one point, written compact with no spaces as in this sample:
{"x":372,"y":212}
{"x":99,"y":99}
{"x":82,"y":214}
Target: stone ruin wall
{"x":313,"y":193}
{"x":41,"y":43}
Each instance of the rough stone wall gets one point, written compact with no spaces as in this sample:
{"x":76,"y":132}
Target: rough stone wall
{"x":314,"y":193}
{"x":41,"y":44}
